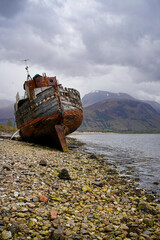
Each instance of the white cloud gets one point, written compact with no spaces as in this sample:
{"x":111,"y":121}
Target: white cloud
{"x":11,"y":79}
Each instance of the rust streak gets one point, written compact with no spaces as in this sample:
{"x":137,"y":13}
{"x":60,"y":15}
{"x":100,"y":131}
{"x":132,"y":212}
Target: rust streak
{"x":39,"y":119}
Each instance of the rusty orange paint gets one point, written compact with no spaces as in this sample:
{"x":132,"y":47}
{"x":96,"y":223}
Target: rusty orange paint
{"x":43,"y":198}
{"x":53,"y":214}
{"x":31,"y":86}
{"x":32,"y":122}
{"x":61,"y":137}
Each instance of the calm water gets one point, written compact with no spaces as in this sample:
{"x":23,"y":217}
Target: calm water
{"x":136,"y":155}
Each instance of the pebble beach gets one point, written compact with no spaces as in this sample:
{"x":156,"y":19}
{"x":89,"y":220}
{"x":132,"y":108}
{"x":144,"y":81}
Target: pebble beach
{"x":49,"y":194}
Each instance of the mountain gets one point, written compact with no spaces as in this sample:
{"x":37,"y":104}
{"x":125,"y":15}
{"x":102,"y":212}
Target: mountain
{"x":6,"y":110}
{"x":154,"y":104}
{"x":120,"y":115}
{"x":97,"y":96}
{"x":5,"y":102}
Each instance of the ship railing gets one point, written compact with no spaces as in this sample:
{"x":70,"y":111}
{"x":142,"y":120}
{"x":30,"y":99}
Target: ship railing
{"x":70,"y":92}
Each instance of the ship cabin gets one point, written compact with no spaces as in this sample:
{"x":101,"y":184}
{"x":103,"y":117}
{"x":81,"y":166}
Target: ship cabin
{"x":38,"y":84}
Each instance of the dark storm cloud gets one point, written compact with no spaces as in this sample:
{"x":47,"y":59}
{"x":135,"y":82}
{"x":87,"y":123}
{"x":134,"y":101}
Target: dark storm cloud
{"x":9,"y":8}
{"x":124,"y":33}
{"x":76,"y":38}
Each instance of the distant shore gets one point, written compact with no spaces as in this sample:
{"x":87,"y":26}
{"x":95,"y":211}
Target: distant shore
{"x":114,"y":132}
{"x":84,"y":133}
{"x":91,"y":202}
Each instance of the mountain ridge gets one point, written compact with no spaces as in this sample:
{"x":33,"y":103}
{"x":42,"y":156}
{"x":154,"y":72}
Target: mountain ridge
{"x":99,"y":95}
{"x":120,"y":114}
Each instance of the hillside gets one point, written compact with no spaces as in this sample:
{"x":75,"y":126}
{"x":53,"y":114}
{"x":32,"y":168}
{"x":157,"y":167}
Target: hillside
{"x":120,"y":115}
{"x":97,"y":96}
{"x":154,"y":104}
{"x":7,"y":113}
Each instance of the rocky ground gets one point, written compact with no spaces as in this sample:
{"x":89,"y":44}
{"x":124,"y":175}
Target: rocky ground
{"x":48,"y":194}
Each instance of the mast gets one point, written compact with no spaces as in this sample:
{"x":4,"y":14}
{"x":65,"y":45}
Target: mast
{"x":29,"y":85}
{"x":28,"y":75}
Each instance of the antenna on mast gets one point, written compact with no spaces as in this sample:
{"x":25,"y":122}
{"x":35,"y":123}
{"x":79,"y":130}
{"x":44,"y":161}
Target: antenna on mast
{"x":28,"y":75}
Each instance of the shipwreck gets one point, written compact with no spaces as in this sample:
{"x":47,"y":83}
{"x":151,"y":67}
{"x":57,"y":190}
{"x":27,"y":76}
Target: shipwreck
{"x":48,"y":111}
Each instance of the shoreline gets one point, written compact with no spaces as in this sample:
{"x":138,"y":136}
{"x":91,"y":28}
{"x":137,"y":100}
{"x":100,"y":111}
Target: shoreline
{"x":96,"y":203}
{"x":114,"y":165}
{"x":118,"y":132}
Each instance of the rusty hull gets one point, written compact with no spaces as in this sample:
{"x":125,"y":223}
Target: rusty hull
{"x":51,"y":130}
{"x":50,"y":115}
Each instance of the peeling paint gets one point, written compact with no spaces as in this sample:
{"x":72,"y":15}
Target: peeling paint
{"x":42,"y":109}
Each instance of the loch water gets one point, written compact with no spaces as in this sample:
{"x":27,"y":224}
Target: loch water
{"x":134,"y":155}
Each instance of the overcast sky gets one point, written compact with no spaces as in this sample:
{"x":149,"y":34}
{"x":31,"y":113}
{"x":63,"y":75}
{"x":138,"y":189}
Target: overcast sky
{"x":111,"y":45}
